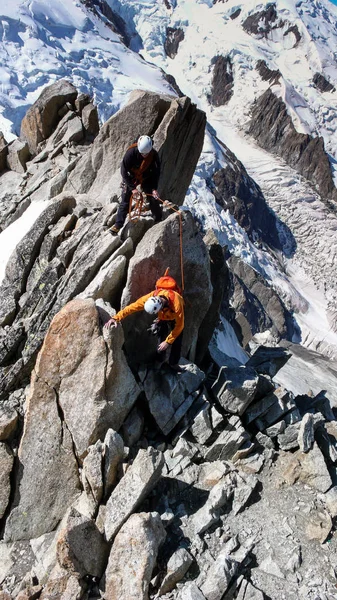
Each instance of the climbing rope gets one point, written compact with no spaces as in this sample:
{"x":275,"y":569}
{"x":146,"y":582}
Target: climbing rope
{"x":136,"y":207}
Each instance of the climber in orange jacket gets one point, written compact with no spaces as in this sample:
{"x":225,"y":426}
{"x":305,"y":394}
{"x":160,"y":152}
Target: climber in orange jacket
{"x":168,"y":305}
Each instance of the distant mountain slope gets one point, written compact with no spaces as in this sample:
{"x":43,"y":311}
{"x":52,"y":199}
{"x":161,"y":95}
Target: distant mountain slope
{"x":41,"y":42}
{"x":295,"y":40}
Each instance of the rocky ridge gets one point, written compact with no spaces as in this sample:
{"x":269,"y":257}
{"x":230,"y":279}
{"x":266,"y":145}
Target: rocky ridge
{"x":212,"y":482}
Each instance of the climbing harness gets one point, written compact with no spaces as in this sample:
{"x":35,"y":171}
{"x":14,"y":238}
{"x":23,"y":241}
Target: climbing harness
{"x":137,"y":207}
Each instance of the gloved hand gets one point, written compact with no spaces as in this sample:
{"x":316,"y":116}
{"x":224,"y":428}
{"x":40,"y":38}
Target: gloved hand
{"x":111,"y":324}
{"x":154,"y":328}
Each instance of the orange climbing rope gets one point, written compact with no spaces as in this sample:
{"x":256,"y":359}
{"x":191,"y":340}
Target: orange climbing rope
{"x":136,"y":207}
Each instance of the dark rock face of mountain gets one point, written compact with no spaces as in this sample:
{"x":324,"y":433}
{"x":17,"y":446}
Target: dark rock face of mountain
{"x":322,"y":84}
{"x":171,"y":80}
{"x":273,"y":128}
{"x":222,"y":81}
{"x":267,"y":74}
{"x":3,"y":152}
{"x":238,"y":193}
{"x":220,"y":282}
{"x":173,"y":38}
{"x":115,"y":21}
{"x":294,"y":29}
{"x":235,"y":14}
{"x":263,"y":22}
{"x":257,"y":306}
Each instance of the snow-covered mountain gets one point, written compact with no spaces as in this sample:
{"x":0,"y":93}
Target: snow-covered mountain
{"x":225,"y":56}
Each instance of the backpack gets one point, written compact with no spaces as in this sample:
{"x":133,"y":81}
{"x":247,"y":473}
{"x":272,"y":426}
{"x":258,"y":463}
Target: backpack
{"x":168,"y":284}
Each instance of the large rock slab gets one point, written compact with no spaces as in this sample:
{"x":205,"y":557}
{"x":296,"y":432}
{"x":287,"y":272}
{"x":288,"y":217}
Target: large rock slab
{"x":228,"y":442}
{"x":317,"y":373}
{"x":108,"y":282}
{"x":270,"y":409}
{"x":94,"y":172}
{"x":6,"y":464}
{"x":96,"y":388}
{"x":42,"y":117}
{"x":136,"y":484}
{"x":183,"y":127}
{"x":47,"y":481}
{"x":174,"y":123}
{"x":268,"y":360}
{"x":170,"y":395}
{"x":81,"y":548}
{"x":224,"y":568}
{"x":309,"y":468}
{"x":3,"y":152}
{"x":80,"y":388}
{"x":235,"y":388}
{"x":177,"y":567}
{"x":8,"y":422}
{"x":133,"y":556}
{"x":159,"y":249}
{"x":18,"y":156}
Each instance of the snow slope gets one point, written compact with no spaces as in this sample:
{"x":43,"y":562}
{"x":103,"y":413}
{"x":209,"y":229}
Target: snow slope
{"x":42,"y":41}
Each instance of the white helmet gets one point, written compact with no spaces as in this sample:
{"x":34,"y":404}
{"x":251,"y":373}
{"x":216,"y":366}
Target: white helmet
{"x":144,"y":144}
{"x":153,"y":305}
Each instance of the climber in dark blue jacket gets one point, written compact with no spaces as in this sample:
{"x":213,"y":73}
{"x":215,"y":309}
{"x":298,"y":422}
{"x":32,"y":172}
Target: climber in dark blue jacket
{"x":140,"y":167}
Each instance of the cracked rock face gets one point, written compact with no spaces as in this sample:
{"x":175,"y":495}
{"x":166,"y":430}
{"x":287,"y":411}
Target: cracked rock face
{"x":222,"y":82}
{"x":321,"y":83}
{"x":6,"y":464}
{"x":148,"y":263}
{"x":173,"y":38}
{"x":42,"y":117}
{"x":273,"y":129}
{"x":266,"y":73}
{"x":256,"y":304}
{"x":133,"y":557}
{"x":263,"y":22}
{"x":77,"y":393}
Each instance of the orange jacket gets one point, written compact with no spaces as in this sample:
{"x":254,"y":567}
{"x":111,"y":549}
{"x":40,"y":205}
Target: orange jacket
{"x":172,"y":313}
